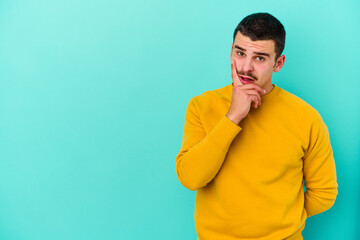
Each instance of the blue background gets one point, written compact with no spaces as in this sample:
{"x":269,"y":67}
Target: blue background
{"x":93,"y":97}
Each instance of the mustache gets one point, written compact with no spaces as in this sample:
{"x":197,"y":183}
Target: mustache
{"x":247,"y":74}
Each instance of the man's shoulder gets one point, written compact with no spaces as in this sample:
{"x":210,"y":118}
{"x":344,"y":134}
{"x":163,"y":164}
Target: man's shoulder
{"x":297,"y":105}
{"x":209,"y":96}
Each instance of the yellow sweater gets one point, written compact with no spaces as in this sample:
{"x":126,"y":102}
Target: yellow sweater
{"x":249,"y":178}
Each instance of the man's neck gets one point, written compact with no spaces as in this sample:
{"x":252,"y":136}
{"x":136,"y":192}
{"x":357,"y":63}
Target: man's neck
{"x":269,"y":88}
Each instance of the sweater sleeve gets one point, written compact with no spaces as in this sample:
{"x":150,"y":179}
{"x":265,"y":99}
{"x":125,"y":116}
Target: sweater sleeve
{"x":201,"y":155}
{"x":319,"y":171}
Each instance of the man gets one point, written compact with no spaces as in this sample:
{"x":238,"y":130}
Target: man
{"x":248,"y":146}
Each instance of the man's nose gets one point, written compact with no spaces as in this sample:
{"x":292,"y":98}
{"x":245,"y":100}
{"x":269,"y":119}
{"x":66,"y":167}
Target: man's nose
{"x":248,"y":66}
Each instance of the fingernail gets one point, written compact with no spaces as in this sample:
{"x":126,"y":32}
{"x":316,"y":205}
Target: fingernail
{"x":264,"y":90}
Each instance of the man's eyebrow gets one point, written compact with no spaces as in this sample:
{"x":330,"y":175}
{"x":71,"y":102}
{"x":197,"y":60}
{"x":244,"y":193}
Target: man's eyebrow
{"x":258,"y":53}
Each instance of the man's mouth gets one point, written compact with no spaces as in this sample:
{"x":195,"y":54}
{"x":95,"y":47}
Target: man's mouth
{"x":245,"y":80}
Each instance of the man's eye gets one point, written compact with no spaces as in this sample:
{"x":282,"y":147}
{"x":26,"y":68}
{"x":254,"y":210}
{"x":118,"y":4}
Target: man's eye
{"x":240,"y":53}
{"x":260,"y":59}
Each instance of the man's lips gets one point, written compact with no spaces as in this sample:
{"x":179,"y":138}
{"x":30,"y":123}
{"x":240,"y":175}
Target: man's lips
{"x":245,"y":79}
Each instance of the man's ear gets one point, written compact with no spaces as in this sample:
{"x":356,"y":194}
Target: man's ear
{"x":279,"y":63}
{"x":231,"y":50}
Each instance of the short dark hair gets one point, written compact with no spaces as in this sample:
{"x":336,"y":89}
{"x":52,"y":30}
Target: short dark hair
{"x":263,"y":26}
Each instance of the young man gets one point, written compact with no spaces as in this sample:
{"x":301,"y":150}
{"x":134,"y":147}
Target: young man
{"x":248,"y":146}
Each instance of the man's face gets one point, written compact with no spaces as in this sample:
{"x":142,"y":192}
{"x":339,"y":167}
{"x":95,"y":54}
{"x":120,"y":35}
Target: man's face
{"x":255,"y":60}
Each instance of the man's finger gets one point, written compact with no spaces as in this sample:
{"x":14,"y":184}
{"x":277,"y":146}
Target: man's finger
{"x":234,"y":75}
{"x":253,"y":92}
{"x":255,"y":100}
{"x":255,"y":87}
{"x":259,"y":98}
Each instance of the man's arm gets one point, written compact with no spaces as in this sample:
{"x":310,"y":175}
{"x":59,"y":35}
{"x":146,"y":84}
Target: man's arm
{"x":319,"y":171}
{"x":201,"y":155}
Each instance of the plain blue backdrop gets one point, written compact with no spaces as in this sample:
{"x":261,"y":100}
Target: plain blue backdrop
{"x":93,"y":97}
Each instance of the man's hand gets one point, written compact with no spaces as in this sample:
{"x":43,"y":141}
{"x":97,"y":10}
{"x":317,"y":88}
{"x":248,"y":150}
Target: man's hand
{"x":242,"y":97}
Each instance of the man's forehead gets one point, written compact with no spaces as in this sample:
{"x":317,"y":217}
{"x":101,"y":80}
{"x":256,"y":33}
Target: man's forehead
{"x":254,"y":46}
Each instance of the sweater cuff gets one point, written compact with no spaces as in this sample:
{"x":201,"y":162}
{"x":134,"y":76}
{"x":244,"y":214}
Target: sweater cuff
{"x":224,"y":133}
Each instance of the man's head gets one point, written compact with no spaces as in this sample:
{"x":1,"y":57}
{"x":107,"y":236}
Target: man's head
{"x":263,"y":26}
{"x":258,"y":42}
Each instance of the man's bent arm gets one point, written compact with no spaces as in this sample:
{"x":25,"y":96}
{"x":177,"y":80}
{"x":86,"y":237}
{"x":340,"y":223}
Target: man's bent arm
{"x":319,"y":171}
{"x":202,"y":155}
